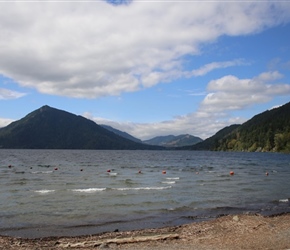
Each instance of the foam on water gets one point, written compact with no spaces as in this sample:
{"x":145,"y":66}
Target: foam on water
{"x":88,"y":190}
{"x":143,"y":188}
{"x":284,"y":200}
{"x":42,"y":172}
{"x":168,"y":182}
{"x":44,"y":191}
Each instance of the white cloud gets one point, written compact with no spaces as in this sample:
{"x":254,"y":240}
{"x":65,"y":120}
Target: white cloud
{"x":274,"y":107}
{"x":198,"y":124}
{"x":4,"y":122}
{"x":227,"y":94}
{"x":6,"y":94}
{"x":214,"y":65}
{"x":93,"y":49}
{"x":232,"y":93}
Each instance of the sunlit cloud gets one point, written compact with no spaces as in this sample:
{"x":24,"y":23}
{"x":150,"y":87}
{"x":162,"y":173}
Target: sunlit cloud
{"x":7,"y":94}
{"x":224,"y":96}
{"x":4,"y":122}
{"x":102,"y":48}
{"x":232,"y":93}
{"x":214,"y":65}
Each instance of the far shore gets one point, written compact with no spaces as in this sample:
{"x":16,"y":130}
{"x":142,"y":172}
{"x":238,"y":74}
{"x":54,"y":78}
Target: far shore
{"x":227,"y":232}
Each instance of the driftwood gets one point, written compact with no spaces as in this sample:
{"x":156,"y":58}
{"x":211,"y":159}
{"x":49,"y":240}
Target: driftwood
{"x":119,"y":241}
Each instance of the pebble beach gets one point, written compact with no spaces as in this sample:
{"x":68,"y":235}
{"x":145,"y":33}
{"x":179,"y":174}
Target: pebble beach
{"x":227,"y":232}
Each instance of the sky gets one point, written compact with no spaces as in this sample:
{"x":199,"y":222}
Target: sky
{"x":146,"y":67}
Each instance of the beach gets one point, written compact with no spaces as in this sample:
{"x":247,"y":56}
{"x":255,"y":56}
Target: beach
{"x":226,"y":232}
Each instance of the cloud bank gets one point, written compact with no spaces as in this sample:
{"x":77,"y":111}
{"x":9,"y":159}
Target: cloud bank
{"x":225,"y":95}
{"x":231,"y":93}
{"x":94,"y":49}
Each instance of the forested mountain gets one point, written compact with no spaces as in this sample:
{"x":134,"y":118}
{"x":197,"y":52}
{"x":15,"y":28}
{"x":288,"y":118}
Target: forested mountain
{"x":212,"y":142}
{"x":268,"y":131}
{"x":174,"y":141}
{"x":50,"y":128}
{"x":121,"y":133}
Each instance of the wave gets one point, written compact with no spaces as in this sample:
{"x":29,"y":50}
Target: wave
{"x":142,"y":188}
{"x":45,"y":166}
{"x":42,"y":172}
{"x":284,"y":200}
{"x":88,"y":190}
{"x":172,"y":178}
{"x":44,"y":191}
{"x":168,"y":182}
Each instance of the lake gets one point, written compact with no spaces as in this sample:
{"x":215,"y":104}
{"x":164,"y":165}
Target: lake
{"x":76,"y":192}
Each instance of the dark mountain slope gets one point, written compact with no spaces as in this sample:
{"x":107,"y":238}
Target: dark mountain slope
{"x":50,"y":128}
{"x":174,"y":141}
{"x":121,"y":133}
{"x":268,"y":131}
{"x":211,"y":142}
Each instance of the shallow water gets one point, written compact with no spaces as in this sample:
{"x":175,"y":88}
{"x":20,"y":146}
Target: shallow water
{"x":71,"y":192}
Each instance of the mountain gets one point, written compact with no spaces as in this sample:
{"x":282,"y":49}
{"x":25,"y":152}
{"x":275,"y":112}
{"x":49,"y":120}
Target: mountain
{"x":267,"y":131}
{"x":50,"y":128}
{"x":121,"y":133}
{"x":173,"y":141}
{"x":211,"y":142}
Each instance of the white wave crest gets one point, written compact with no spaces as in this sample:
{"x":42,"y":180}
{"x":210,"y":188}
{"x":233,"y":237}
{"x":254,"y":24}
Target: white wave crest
{"x":42,"y":172}
{"x":172,"y":178}
{"x":88,"y":190}
{"x":283,"y":200}
{"x":168,"y":182}
{"x":44,"y":191}
{"x":142,"y":188}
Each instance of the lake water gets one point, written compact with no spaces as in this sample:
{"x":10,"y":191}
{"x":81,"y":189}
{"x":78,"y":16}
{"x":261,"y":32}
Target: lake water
{"x":71,"y":192}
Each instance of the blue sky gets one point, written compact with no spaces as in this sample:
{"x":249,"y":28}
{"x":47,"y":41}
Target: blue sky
{"x":146,"y":67}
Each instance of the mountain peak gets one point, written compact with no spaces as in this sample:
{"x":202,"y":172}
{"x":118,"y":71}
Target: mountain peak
{"x":45,"y":107}
{"x":51,"y":128}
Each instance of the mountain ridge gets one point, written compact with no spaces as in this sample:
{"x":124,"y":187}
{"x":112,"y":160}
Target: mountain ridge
{"x":173,"y":141}
{"x":121,"y":133}
{"x":51,"y":128}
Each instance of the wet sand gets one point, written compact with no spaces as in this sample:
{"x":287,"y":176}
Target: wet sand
{"x":228,"y":232}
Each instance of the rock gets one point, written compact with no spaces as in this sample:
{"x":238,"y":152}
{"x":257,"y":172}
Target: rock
{"x":104,"y":246}
{"x":236,"y":218}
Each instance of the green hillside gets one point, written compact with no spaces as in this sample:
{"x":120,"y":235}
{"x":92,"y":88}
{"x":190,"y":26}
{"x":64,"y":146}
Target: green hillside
{"x":268,"y":131}
{"x":212,"y":142}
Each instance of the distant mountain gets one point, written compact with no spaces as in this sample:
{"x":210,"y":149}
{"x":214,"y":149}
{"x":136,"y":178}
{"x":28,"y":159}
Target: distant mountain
{"x":121,"y":133}
{"x":50,"y":128}
{"x":268,"y":131}
{"x":173,"y":141}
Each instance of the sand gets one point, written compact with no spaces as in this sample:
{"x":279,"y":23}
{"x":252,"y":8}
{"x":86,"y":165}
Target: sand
{"x":227,"y":232}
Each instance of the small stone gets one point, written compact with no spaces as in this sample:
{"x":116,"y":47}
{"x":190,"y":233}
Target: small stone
{"x":236,"y":218}
{"x":104,"y":246}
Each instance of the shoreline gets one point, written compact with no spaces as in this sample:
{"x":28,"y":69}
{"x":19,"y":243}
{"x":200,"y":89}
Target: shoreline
{"x":227,"y":232}
{"x":134,"y":223}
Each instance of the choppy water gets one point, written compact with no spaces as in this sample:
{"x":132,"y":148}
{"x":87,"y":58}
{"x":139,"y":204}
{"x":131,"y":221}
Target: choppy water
{"x":71,"y":192}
